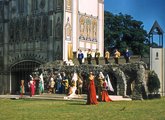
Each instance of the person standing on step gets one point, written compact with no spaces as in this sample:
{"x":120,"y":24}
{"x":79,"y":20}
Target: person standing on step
{"x":89,"y":56}
{"x":116,"y":56}
{"x":127,"y":55}
{"x":107,"y":56}
{"x":80,"y":57}
{"x":97,"y":56}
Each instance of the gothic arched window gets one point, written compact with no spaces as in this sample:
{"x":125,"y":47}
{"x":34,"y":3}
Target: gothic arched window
{"x":21,"y":6}
{"x":34,"y":4}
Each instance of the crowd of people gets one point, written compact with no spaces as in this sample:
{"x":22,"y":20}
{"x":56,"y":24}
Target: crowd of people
{"x":87,"y":56}
{"x":71,"y":84}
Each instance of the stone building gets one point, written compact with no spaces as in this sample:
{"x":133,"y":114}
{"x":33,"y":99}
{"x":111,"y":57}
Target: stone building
{"x":33,"y":32}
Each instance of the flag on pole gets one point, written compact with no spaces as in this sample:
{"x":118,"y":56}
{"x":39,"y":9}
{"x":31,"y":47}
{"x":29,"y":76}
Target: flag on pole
{"x":109,"y":83}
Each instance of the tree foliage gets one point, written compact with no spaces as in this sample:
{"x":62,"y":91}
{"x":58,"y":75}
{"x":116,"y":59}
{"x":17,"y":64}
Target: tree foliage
{"x":122,"y":31}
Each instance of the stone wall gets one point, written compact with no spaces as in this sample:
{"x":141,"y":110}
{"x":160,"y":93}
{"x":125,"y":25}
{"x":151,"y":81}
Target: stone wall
{"x":129,"y":78}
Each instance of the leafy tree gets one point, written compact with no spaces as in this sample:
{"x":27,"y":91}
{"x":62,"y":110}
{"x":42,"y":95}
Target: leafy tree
{"x":122,"y":31}
{"x":153,"y":82}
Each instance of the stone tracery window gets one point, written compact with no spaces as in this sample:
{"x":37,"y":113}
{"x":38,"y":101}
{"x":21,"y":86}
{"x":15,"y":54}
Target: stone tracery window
{"x":45,"y":27}
{"x":17,"y":30}
{"x":11,"y":30}
{"x":21,"y":6}
{"x":30,"y":28}
{"x":24,"y":28}
{"x":37,"y":25}
{"x":34,"y":5}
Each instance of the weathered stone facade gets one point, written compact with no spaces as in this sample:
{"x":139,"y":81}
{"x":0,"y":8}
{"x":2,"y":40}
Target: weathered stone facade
{"x":33,"y":32}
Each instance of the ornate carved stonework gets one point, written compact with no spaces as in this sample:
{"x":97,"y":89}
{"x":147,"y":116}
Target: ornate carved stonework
{"x":68,"y":30}
{"x":69,"y":5}
{"x":59,"y":4}
{"x":58,"y":28}
{"x":38,"y":26}
{"x":45,"y":27}
{"x":42,"y":4}
{"x":88,"y":27}
{"x":30,"y":28}
{"x":82,"y":27}
{"x":94,"y":29}
{"x":101,"y":1}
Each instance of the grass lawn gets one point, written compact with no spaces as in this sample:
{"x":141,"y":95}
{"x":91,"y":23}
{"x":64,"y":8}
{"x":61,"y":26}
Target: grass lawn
{"x":26,"y":109}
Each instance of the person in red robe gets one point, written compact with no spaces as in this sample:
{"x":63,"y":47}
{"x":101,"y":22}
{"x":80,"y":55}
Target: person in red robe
{"x":91,"y":95}
{"x":105,"y":96}
{"x":32,"y":87}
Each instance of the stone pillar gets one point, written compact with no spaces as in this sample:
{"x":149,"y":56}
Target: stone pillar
{"x":6,"y":34}
{"x":139,"y":82}
{"x":75,"y":25}
{"x":101,"y":27}
{"x":50,"y":39}
{"x":6,"y":81}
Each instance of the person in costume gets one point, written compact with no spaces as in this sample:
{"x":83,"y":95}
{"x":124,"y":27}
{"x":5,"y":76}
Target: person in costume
{"x":72,"y":88}
{"x":89,"y":56}
{"x":79,"y":85}
{"x":107,"y":56}
{"x":127,"y":56}
{"x":80,"y":57}
{"x":91,"y":95}
{"x":65,"y":83}
{"x":22,"y":89}
{"x":32,"y":86}
{"x":41,"y":84}
{"x":51,"y":85}
{"x":59,"y":82}
{"x":97,"y":56}
{"x":105,"y":96}
{"x":116,"y":56}
{"x":100,"y":85}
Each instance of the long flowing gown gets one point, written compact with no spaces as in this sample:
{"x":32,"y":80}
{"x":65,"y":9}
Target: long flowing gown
{"x":91,"y":96}
{"x":32,"y":88}
{"x":22,"y":90}
{"x":72,"y":90}
{"x":105,"y":96}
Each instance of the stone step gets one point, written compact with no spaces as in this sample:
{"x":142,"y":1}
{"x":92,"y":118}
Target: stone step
{"x":119,"y":98}
{"x":45,"y":96}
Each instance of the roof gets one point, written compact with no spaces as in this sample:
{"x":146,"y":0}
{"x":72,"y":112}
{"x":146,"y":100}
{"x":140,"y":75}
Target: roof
{"x":156,"y":29}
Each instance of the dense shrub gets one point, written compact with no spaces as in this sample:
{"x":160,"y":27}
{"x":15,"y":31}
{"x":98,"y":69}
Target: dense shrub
{"x":153,"y":82}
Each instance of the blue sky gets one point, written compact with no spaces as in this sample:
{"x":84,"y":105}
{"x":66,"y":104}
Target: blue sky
{"x":146,"y":11}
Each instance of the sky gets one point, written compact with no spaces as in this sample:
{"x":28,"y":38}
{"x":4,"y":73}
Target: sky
{"x":146,"y":11}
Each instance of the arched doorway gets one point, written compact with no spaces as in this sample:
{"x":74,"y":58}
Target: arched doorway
{"x":21,"y":71}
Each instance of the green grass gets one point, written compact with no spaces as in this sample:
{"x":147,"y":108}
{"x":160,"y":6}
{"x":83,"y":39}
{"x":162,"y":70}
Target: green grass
{"x":26,"y":109}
